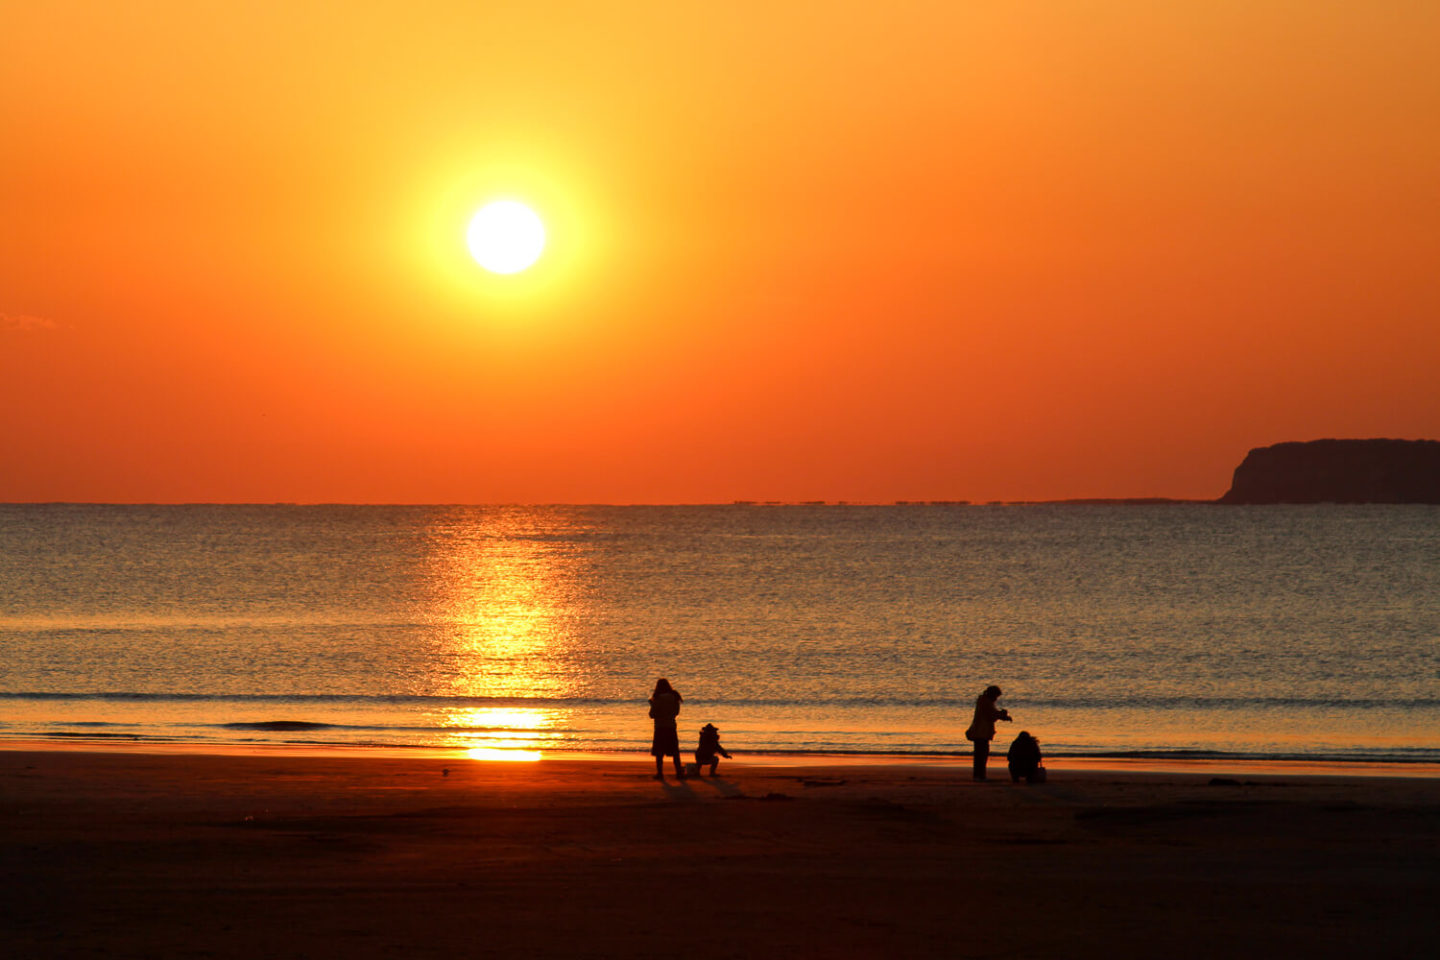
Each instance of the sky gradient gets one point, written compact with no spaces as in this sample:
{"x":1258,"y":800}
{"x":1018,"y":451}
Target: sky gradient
{"x":833,"y":251}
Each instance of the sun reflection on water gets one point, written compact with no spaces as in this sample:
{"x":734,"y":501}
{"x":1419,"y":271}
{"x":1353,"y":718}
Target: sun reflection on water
{"x":506,"y":587}
{"x":500,"y":733}
{"x":503,"y":755}
{"x":500,"y":718}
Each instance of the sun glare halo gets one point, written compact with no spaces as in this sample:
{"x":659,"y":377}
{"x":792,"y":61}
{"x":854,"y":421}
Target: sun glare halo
{"x":505,"y":236}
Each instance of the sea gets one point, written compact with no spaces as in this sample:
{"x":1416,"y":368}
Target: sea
{"x":1116,"y":631}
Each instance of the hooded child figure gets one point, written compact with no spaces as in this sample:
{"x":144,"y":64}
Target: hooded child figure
{"x":709,"y":752}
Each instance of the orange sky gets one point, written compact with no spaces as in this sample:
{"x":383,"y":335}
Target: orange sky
{"x":975,"y":250}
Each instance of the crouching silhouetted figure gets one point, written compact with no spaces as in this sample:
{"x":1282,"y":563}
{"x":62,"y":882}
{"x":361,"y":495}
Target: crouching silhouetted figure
{"x":1024,"y":757}
{"x":709,"y":752}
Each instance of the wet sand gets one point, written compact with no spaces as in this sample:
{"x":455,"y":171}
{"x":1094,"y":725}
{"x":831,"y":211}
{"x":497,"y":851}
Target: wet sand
{"x":133,"y":855}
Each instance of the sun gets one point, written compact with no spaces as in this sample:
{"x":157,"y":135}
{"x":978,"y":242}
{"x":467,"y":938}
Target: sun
{"x":505,"y":236}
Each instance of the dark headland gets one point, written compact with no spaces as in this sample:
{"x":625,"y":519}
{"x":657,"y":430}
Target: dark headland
{"x":1339,"y":471}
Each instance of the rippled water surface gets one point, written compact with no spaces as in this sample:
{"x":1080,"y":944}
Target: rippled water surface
{"x":1268,"y":631}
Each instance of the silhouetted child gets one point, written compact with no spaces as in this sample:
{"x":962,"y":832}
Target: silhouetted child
{"x":1024,"y":757}
{"x":709,"y":752}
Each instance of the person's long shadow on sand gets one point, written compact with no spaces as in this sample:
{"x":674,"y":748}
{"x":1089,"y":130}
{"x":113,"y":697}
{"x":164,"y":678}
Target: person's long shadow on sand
{"x":677,"y":789}
{"x":721,"y":786}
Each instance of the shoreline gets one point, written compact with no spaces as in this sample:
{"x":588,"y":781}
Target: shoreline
{"x":1327,"y":767}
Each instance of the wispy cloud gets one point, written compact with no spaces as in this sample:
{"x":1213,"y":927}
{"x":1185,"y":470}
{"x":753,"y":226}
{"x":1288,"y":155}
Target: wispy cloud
{"x":26,"y":324}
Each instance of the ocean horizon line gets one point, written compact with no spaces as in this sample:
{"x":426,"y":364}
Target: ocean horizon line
{"x":739,"y":502}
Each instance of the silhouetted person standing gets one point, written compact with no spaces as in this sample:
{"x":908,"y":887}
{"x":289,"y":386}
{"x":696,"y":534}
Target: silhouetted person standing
{"x":664,"y":708}
{"x":982,"y":728}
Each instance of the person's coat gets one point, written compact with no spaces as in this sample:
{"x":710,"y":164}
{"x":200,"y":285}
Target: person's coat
{"x":983,"y":726}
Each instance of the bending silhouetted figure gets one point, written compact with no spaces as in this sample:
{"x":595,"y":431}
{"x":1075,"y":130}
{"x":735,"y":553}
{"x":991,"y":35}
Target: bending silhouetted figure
{"x":664,"y":708}
{"x":982,"y":728}
{"x":1024,"y":759}
{"x":709,"y":752}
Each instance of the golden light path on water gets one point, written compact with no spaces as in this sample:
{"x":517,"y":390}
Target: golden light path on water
{"x":519,"y":727}
{"x":503,"y":754}
{"x":506,"y":614}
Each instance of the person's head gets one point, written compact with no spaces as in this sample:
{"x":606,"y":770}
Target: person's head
{"x":992,"y":692}
{"x":662,"y":686}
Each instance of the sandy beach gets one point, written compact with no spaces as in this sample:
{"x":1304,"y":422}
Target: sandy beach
{"x":133,"y":855}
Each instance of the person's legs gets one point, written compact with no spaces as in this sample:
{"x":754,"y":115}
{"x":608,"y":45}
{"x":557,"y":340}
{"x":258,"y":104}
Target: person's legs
{"x":714,"y":766}
{"x":659,"y":768}
{"x":982,"y":757}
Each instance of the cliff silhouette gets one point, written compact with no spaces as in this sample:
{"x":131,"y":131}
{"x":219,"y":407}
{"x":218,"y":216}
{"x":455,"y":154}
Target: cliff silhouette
{"x":1339,"y":471}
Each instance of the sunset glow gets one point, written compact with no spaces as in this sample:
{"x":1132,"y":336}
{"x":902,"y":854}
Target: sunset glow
{"x":915,"y":251}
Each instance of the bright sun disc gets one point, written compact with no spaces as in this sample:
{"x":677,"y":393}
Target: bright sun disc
{"x":505,"y":237}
